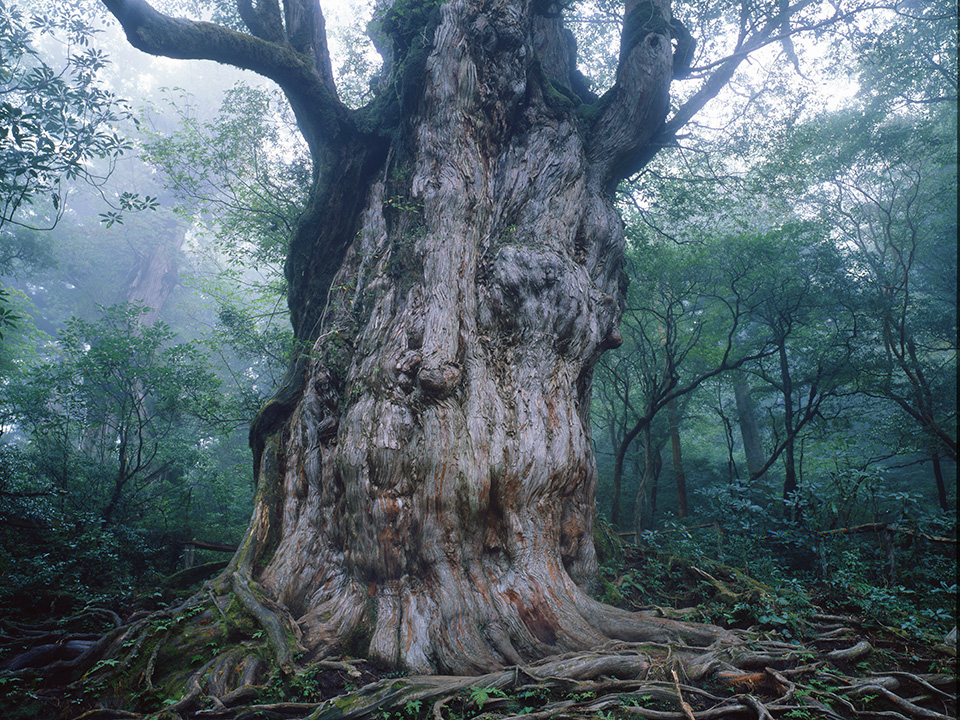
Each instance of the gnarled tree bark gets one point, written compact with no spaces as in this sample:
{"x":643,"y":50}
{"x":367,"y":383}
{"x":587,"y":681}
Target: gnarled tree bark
{"x":425,"y":474}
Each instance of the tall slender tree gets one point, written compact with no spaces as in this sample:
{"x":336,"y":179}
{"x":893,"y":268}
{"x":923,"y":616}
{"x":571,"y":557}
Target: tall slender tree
{"x":882,"y":175}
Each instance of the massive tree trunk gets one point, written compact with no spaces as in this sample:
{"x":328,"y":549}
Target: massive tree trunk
{"x":425,"y":475}
{"x":435,"y":472}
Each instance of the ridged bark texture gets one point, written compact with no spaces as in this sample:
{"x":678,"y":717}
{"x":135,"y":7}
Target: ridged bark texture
{"x":429,"y":498}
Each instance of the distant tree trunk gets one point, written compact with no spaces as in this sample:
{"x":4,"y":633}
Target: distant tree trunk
{"x":656,"y":465}
{"x":120,"y":478}
{"x":673,"y":418}
{"x":622,"y":447}
{"x":749,"y":425}
{"x":156,"y":273}
{"x":615,"y":490}
{"x":733,"y":472}
{"x":791,"y":486}
{"x":941,"y":485}
{"x":652,"y":465}
{"x":425,"y":473}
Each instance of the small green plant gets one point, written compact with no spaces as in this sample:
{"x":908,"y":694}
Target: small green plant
{"x":404,"y":204}
{"x":534,"y":696}
{"x":479,"y":696}
{"x":305,"y":685}
{"x":104,"y":664}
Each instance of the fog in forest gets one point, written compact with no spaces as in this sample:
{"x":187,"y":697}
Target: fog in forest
{"x":772,"y":423}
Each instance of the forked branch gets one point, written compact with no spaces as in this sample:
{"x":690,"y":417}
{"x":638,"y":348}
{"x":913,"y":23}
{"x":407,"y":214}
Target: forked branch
{"x":298,"y":63}
{"x":263,"y":19}
{"x":633,"y":110}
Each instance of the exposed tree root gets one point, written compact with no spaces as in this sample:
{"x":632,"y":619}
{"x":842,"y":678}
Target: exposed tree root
{"x":282,"y":631}
{"x":656,"y":681}
{"x":229,"y":653}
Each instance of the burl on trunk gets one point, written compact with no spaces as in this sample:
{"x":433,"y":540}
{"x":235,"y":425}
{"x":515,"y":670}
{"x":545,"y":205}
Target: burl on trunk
{"x":426,"y":481}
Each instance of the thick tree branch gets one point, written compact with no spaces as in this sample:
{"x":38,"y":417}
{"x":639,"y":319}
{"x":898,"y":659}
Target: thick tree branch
{"x":631,"y":112}
{"x":305,"y":79}
{"x":630,"y":127}
{"x":771,"y":32}
{"x":263,"y":20}
{"x":306,"y":31}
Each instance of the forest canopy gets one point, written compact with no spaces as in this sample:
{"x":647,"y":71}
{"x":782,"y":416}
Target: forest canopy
{"x":596,"y":359}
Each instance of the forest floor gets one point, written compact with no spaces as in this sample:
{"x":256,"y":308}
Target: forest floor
{"x":803,"y":655}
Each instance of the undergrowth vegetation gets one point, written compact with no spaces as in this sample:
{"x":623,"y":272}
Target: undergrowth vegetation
{"x":839,"y":606}
{"x":747,"y":580}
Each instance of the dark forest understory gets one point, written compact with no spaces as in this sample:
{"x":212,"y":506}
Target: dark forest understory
{"x":835,"y":666}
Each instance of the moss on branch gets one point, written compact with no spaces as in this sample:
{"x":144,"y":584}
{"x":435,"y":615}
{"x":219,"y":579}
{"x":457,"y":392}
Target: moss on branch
{"x":410,"y":26}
